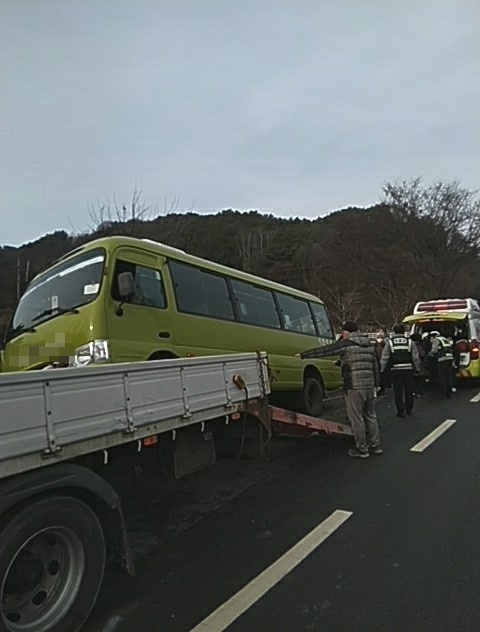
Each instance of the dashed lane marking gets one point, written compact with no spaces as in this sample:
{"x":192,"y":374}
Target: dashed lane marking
{"x":228,"y":612}
{"x":476,"y":398}
{"x":429,"y":439}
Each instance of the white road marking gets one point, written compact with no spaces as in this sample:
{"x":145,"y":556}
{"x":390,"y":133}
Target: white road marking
{"x":112,"y":624}
{"x":226,"y":614}
{"x":424,"y":443}
{"x":476,"y":398}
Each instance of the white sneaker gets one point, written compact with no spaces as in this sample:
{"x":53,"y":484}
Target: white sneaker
{"x":454,"y":390}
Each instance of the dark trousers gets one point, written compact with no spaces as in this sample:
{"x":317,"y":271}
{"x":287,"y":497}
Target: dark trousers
{"x":445,"y":377}
{"x":454,"y":376}
{"x":385,"y":380}
{"x":432,"y":369}
{"x":402,"y":382}
{"x":419,"y":385}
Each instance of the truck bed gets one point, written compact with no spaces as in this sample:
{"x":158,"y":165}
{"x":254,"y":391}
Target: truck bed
{"x":52,"y":416}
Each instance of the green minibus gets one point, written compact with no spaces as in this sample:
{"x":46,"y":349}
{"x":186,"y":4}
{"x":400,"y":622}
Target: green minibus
{"x":123,"y":299}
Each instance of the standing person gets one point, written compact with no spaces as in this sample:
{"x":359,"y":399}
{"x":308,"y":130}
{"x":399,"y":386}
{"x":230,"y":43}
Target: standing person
{"x":442,"y":354}
{"x":360,"y":379}
{"x":385,"y":377}
{"x":401,"y":356}
{"x":426,"y":342}
{"x":455,"y":364}
{"x":420,"y":376}
{"x":431,"y":360}
{"x":379,"y":345}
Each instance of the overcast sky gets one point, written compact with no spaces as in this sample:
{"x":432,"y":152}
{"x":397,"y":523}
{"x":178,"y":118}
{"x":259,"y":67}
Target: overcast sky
{"x":293,"y":108}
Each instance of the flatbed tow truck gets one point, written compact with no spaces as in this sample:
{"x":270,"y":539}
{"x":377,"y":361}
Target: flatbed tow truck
{"x":63,"y":431}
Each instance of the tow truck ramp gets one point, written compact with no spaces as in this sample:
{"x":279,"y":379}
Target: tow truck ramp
{"x":284,"y":419}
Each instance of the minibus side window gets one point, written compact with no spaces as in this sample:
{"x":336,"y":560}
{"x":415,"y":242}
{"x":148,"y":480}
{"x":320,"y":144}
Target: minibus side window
{"x":324,"y":327}
{"x":255,"y":305}
{"x":296,"y":314}
{"x":200,"y":292}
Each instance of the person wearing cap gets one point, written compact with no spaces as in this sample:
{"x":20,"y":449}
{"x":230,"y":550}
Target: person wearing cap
{"x":442,"y":355}
{"x":426,"y":343}
{"x":401,"y":356}
{"x":361,"y":378}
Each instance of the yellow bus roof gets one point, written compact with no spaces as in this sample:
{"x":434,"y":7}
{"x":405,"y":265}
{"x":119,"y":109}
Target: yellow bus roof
{"x":116,"y":241}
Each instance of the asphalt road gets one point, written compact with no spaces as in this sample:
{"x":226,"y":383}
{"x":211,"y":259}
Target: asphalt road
{"x":405,"y":558}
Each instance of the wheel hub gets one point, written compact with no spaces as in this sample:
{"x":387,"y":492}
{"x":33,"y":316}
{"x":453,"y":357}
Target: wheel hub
{"x":42,"y":581}
{"x":25,"y":574}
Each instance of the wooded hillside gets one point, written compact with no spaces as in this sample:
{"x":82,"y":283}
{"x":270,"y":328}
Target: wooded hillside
{"x":370,"y":264}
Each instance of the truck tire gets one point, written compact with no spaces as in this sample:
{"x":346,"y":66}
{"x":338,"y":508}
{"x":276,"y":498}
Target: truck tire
{"x":312,"y":397}
{"x":52,"y":560}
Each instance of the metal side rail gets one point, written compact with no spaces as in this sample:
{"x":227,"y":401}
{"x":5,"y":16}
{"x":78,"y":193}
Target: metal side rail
{"x":52,"y":416}
{"x":311,"y":424}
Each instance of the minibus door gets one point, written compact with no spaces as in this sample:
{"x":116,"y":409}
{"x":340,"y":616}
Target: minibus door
{"x":138,"y":325}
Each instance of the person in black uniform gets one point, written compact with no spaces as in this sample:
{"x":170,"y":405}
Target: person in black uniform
{"x":442,"y":354}
{"x":401,"y":356}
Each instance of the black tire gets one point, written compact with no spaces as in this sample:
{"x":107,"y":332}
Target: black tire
{"x":161,"y":355}
{"x":312,"y":397}
{"x":52,"y":561}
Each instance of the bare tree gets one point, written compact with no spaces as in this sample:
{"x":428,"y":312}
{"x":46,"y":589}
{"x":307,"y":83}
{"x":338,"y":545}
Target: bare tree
{"x":345,"y":303}
{"x":172,"y":206}
{"x":252,"y":246}
{"x":439,"y":226}
{"x":106,"y":214}
{"x":100,"y":216}
{"x":390,"y":300}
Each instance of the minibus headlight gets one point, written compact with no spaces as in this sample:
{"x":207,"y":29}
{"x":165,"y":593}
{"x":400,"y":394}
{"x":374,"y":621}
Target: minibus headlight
{"x":92,"y":353}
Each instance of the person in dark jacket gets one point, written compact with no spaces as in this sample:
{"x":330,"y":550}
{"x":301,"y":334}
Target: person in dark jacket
{"x":442,"y":355}
{"x":420,"y":375}
{"x":456,"y":363}
{"x":426,"y":342}
{"x":428,"y":337}
{"x":360,"y":375}
{"x":401,"y":356}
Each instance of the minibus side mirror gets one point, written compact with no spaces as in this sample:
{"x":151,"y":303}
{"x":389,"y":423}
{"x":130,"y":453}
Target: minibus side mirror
{"x":126,"y":285}
{"x":126,"y":290}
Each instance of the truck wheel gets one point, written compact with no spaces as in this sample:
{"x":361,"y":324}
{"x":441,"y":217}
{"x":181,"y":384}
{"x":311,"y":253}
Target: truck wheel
{"x":52,"y":560}
{"x":312,"y":396}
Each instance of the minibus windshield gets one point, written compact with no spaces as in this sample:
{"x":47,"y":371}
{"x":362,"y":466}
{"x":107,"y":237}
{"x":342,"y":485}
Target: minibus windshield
{"x":61,"y":289}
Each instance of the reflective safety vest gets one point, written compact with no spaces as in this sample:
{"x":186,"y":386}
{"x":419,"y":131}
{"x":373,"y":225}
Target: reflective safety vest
{"x":401,"y":353}
{"x":445,"y":352}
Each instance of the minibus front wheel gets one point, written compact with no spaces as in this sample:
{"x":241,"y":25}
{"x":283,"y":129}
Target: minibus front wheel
{"x":312,"y":395}
{"x":162,"y":355}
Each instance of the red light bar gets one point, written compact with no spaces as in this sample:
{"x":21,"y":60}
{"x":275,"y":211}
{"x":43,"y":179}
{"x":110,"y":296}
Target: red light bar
{"x":441,"y":306}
